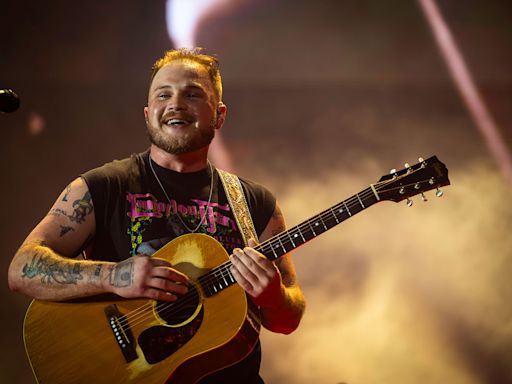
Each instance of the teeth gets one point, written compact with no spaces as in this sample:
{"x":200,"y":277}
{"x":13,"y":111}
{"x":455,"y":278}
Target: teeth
{"x":176,"y":122}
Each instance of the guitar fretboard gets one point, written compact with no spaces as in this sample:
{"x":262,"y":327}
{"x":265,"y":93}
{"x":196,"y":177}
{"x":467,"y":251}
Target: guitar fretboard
{"x":220,"y":277}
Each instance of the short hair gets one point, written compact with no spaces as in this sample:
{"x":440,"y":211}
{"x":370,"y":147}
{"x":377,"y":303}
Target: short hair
{"x":210,"y":63}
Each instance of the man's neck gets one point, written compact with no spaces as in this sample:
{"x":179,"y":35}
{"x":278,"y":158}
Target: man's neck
{"x":183,"y":162}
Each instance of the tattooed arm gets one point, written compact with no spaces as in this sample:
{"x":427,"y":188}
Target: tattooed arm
{"x":44,"y":267}
{"x":273,"y":286}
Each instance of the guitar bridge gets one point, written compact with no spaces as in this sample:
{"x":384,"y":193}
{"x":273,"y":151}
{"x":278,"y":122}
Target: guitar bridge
{"x":121,"y":332}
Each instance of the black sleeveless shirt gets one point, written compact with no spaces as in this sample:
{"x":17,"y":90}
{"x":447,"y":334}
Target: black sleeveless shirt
{"x":134,"y":216}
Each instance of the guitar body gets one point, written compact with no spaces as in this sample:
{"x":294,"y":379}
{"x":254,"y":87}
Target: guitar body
{"x":112,"y":340}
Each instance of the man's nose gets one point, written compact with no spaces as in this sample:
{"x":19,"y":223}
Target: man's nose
{"x":176,"y":103}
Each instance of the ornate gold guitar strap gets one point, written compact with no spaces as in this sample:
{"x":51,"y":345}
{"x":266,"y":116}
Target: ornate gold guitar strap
{"x":238,"y":204}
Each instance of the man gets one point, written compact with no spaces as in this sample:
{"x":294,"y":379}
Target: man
{"x":120,"y":214}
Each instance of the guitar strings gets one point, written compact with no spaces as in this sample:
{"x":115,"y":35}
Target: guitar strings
{"x":224,"y":269}
{"x":208,"y":280}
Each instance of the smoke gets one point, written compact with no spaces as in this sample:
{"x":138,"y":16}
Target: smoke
{"x":402,"y":295}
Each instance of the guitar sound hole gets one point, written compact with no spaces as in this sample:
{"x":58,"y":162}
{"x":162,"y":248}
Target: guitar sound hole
{"x":180,"y":311}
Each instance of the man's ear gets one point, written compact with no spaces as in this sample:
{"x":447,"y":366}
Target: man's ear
{"x":146,"y":114}
{"x":222,"y":111}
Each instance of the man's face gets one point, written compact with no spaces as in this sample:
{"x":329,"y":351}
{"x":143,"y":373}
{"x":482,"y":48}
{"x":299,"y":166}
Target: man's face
{"x":183,"y":110}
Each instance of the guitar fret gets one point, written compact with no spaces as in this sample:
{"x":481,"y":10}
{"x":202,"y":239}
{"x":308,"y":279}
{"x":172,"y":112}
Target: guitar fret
{"x":297,"y":235}
{"x":293,"y":243}
{"x":280,"y":242}
{"x":274,"y":251}
{"x":335,"y":217}
{"x":312,"y":230}
{"x":323,"y":223}
{"x":348,"y":210}
{"x":301,"y":235}
{"x":360,"y":201}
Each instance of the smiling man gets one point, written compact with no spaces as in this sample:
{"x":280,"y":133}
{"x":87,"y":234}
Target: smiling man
{"x":118,"y":215}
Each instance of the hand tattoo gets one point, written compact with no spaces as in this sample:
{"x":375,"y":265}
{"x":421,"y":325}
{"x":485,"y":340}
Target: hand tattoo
{"x":121,"y":275}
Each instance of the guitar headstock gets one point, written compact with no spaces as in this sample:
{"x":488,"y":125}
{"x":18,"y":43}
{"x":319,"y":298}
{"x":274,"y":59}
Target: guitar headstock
{"x":413,"y":180}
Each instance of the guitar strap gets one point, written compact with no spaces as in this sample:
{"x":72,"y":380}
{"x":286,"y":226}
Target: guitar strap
{"x":238,"y":204}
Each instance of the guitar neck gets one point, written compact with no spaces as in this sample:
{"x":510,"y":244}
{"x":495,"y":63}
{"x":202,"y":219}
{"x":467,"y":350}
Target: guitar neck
{"x":220,"y":277}
{"x":287,"y":241}
{"x":396,"y":186}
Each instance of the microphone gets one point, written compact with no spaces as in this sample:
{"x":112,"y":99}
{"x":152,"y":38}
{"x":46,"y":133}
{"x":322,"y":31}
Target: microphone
{"x":9,"y":101}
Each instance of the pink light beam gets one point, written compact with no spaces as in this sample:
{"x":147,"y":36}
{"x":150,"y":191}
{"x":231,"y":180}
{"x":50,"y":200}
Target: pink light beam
{"x":466,"y":87}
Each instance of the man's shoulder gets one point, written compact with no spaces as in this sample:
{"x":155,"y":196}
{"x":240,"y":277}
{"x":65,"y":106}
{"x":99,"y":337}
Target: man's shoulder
{"x":116,"y":169}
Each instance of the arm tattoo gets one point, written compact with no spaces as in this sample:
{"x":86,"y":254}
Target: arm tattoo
{"x":68,"y":189}
{"x":65,"y":229}
{"x":57,"y":212}
{"x":82,"y":208}
{"x":121,"y":275}
{"x":52,"y":271}
{"x":96,"y":276}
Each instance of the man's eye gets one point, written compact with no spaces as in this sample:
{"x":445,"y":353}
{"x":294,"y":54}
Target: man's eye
{"x":163,"y":96}
{"x":193,"y":94}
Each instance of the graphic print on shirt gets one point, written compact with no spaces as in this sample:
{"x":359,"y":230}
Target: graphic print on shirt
{"x":154,"y":223}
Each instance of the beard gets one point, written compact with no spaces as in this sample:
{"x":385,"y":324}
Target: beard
{"x":192,"y":140}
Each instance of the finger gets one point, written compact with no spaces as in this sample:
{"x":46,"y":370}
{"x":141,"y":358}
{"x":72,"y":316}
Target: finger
{"x":157,"y":294}
{"x":156,"y":261}
{"x":245,"y":264}
{"x":167,"y":286}
{"x":264,"y":265}
{"x":241,"y":280}
{"x":168,"y":273}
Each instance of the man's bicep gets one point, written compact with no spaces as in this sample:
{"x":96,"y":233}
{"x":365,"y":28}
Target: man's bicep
{"x":70,"y":223}
{"x":276,"y":225}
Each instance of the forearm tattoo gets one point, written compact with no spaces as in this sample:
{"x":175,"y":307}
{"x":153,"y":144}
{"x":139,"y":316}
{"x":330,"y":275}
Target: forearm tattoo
{"x":121,"y":275}
{"x":51,"y":271}
{"x":96,"y":276}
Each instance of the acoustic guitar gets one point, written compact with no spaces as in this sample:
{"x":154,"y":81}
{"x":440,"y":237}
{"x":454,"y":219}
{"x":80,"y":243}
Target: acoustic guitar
{"x":114,"y":340}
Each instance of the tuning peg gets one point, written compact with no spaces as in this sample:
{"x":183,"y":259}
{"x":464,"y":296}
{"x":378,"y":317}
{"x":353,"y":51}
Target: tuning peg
{"x":439,"y":193}
{"x":409,"y":202}
{"x":423,"y":197}
{"x":393,"y":172}
{"x":423,"y":164}
{"x":409,"y":169}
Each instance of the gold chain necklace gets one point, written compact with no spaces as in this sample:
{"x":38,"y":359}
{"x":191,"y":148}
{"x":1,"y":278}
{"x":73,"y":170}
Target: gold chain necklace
{"x":169,"y":200}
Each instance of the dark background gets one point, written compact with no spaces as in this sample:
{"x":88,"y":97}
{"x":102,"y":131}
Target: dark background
{"x":324,"y":97}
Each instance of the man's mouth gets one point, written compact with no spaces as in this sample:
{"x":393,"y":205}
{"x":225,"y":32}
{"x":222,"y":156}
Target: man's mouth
{"x":176,"y":122}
